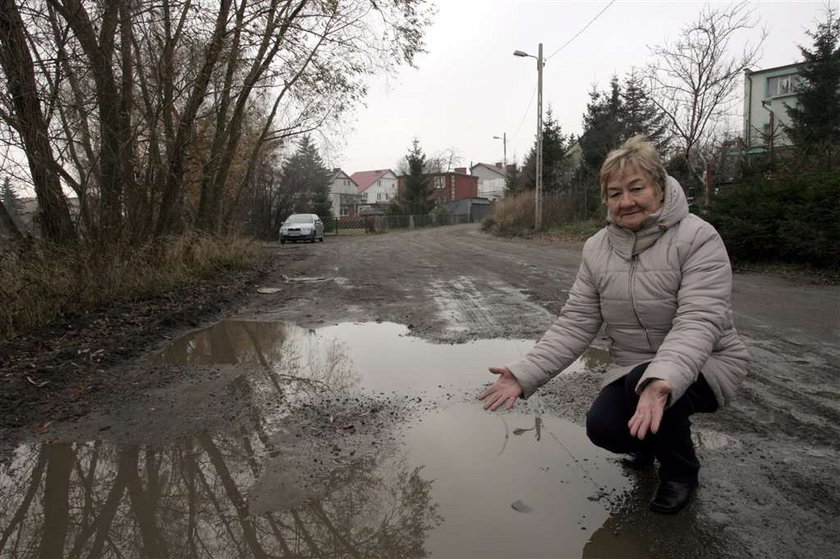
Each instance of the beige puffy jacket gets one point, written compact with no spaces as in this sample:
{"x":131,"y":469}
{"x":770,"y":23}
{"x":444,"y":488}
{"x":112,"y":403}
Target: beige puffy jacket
{"x":669,"y":304}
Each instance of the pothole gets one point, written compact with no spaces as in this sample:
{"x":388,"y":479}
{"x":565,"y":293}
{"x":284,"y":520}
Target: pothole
{"x":356,"y":439}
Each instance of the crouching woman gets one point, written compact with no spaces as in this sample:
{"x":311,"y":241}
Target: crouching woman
{"x":659,"y":280}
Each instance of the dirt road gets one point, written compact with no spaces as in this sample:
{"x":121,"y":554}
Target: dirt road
{"x":773,"y":491}
{"x":771,"y":462}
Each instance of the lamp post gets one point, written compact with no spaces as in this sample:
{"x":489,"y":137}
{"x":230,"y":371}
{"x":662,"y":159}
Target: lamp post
{"x":539,"y":163}
{"x":503,"y":138}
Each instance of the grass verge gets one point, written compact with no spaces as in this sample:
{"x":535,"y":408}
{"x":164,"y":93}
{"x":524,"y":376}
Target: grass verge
{"x":45,"y":282}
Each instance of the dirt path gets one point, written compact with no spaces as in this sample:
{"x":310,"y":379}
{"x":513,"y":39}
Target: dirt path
{"x":771,"y":476}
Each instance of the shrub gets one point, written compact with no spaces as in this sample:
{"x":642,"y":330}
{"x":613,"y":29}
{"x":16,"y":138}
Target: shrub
{"x":789,"y":218}
{"x":514,"y":215}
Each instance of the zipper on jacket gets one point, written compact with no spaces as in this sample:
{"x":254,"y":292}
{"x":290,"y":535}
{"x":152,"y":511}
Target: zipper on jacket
{"x":633,"y":261}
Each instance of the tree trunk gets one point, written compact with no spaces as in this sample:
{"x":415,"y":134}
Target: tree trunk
{"x":170,"y":205}
{"x":114,"y":129}
{"x":31,"y":125}
{"x":273,"y":37}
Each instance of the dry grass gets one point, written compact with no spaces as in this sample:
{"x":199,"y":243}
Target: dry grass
{"x":514,"y":215}
{"x":45,"y":282}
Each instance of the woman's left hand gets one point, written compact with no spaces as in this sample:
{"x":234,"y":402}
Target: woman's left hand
{"x":650,"y":409}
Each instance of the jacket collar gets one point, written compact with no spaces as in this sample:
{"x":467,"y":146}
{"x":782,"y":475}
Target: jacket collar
{"x":674,"y":209}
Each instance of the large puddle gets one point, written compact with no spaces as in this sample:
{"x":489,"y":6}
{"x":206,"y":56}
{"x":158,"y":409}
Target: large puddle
{"x":358,"y":441}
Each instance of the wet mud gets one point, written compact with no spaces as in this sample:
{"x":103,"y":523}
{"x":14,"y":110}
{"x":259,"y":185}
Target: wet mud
{"x":354,"y":439}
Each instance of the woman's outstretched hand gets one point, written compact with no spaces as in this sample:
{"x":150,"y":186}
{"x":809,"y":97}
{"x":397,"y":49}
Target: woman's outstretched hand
{"x":650,"y":409}
{"x":505,"y":390}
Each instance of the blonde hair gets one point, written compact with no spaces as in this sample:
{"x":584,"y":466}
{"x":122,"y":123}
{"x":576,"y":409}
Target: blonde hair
{"x":639,"y":152}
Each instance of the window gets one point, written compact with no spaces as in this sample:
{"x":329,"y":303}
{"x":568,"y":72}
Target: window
{"x":781,"y":85}
{"x":378,"y":196}
{"x":345,"y":210}
{"x":439,"y":182}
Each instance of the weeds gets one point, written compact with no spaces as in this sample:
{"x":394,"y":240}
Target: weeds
{"x":44,"y":281}
{"x":562,"y":216}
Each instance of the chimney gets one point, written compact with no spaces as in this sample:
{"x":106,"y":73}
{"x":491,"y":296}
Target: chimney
{"x":462,"y":170}
{"x":498,"y":165}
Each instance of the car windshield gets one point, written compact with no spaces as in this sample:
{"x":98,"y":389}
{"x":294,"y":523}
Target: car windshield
{"x":300,"y":218}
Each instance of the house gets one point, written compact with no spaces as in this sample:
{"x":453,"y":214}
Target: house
{"x":447,"y":187}
{"x":27,"y":218}
{"x":491,"y":180}
{"x":767,"y":94}
{"x":377,"y":187}
{"x":344,"y":194}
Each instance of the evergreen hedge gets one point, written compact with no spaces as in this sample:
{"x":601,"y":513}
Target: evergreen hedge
{"x":791,"y":219}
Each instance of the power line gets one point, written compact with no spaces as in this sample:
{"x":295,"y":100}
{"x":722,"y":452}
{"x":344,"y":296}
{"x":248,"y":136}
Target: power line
{"x":582,"y":30}
{"x":525,"y":114}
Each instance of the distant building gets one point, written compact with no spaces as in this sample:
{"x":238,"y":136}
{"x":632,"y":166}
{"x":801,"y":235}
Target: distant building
{"x":27,"y":219}
{"x":491,"y":180}
{"x":447,"y":187}
{"x":767,"y":94}
{"x":344,"y":194}
{"x":378,"y":187}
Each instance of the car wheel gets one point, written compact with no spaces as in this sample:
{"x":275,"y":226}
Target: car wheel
{"x":314,"y":235}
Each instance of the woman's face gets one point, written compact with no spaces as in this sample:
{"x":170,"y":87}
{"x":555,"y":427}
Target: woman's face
{"x":632,"y":197}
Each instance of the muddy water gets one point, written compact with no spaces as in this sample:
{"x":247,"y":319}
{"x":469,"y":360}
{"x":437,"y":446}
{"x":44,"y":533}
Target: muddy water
{"x":354,"y":440}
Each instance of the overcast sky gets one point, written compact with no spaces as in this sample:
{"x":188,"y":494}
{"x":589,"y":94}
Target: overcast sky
{"x":468,"y":86}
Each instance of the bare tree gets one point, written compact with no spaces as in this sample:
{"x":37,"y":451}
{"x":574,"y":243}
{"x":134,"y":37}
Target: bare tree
{"x":29,"y":123}
{"x":155,"y":112}
{"x":693,"y":79}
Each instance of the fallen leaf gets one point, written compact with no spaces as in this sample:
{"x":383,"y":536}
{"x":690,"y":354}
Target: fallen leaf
{"x":519,"y":506}
{"x":43,"y":428}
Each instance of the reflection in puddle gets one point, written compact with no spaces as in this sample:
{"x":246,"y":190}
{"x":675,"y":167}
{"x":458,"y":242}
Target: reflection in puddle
{"x":313,"y":478}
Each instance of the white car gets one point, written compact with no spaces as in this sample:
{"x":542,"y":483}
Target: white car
{"x":302,"y":227}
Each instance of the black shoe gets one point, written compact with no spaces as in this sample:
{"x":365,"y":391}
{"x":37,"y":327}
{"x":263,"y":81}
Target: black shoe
{"x":672,"y":496}
{"x":638,"y":460}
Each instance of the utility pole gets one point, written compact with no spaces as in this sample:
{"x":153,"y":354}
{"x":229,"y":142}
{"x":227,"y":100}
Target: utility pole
{"x":538,"y":195}
{"x":539,"y":161}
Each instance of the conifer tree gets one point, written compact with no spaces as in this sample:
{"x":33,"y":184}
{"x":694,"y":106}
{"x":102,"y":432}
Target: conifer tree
{"x":815,"y":121}
{"x":306,"y":180}
{"x":555,"y":144}
{"x":416,"y":197}
{"x":11,"y":201}
{"x":640,"y":115}
{"x":603,"y":128}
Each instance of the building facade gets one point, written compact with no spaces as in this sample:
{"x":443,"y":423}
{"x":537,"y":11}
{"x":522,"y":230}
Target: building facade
{"x":447,"y":187}
{"x":378,"y":187}
{"x":491,"y":180}
{"x":344,"y":195}
{"x":767,"y":95}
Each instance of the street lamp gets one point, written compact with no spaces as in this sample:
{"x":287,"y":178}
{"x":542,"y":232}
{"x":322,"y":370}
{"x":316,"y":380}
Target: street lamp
{"x":503,"y":138}
{"x":539,"y":164}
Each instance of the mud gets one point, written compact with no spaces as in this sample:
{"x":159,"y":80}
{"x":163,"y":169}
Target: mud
{"x":194,"y":448}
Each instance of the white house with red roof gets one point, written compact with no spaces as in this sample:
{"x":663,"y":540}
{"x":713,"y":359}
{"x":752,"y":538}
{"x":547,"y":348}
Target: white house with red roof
{"x":378,"y":187}
{"x":344,"y":194}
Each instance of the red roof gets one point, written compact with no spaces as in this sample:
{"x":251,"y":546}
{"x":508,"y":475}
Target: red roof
{"x":366,"y":178}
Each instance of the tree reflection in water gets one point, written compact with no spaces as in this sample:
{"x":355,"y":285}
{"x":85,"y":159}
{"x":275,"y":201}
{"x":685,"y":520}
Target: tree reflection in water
{"x":193,"y":498}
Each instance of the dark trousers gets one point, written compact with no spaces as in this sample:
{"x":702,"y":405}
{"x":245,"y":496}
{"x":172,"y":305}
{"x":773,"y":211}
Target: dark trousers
{"x":606,"y":425}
